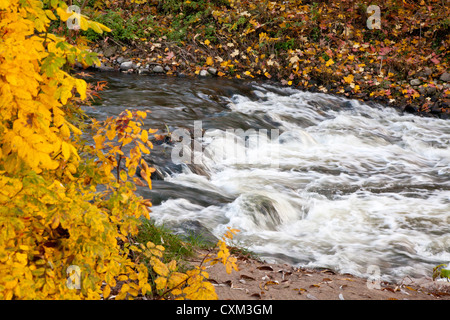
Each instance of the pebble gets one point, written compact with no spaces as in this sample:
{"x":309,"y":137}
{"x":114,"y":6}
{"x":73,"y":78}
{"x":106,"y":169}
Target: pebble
{"x":203,"y":73}
{"x":415,"y":82}
{"x":445,"y":77}
{"x":212,"y":71}
{"x":158,"y":69}
{"x":127,"y":65}
{"x":110,"y":51}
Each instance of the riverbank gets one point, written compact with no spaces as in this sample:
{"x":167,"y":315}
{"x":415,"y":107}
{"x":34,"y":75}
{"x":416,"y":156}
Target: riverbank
{"x":257,"y":280}
{"x":319,"y":47}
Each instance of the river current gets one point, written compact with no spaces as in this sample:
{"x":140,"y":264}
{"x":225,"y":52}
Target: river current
{"x":309,"y":179}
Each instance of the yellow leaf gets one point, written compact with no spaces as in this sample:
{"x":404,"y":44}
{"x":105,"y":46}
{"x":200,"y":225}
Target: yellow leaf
{"x":65,"y":150}
{"x":65,"y":132}
{"x":172,"y":265}
{"x":329,"y":62}
{"x":55,"y":223}
{"x":248,"y":73}
{"x":106,"y":291}
{"x":142,"y":114}
{"x":111,"y":134}
{"x":144,"y":136}
{"x":81,"y":88}
{"x":206,"y":42}
{"x":143,"y":148}
{"x":176,"y":278}
{"x":50,"y":14}
{"x":63,"y":14}
{"x":123,"y":175}
{"x":209,"y":61}
{"x":161,"y":283}
{"x":84,"y":24}
{"x":159,"y":267}
{"x":349,"y":79}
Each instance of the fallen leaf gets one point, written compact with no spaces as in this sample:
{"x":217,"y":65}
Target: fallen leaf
{"x":170,"y":55}
{"x":265,"y":268}
{"x":245,"y":277}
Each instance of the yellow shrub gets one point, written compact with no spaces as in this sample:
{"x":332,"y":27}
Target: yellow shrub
{"x":68,"y":210}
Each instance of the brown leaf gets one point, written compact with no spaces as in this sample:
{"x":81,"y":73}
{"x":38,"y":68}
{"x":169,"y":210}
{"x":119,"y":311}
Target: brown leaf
{"x":256,"y":295}
{"x":265,"y":268}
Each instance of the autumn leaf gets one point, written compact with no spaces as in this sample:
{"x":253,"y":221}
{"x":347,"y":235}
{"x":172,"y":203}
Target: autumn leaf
{"x":329,"y":62}
{"x":349,"y":79}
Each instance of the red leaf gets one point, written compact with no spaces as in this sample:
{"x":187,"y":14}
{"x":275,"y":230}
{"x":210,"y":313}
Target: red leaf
{"x":435,"y":61}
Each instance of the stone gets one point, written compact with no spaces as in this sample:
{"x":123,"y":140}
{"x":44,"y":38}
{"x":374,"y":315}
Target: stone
{"x":143,"y":71}
{"x":431,"y":90}
{"x":410,"y":109}
{"x":428,"y":71}
{"x":119,"y":60}
{"x":436,"y":109}
{"x":445,"y":77}
{"x":105,"y":68}
{"x":415,"y":82}
{"x":212,"y":71}
{"x":203,"y":73}
{"x":422,"y":90}
{"x":127,"y":65}
{"x":110,"y":51}
{"x":158,"y":69}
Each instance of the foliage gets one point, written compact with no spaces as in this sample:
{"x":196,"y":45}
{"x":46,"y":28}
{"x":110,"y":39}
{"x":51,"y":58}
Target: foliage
{"x":309,"y":44}
{"x":68,"y":210}
{"x":193,"y":284}
{"x":441,"y":272}
{"x":124,"y":28}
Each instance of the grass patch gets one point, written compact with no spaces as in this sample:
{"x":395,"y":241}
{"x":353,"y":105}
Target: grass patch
{"x":177,"y":247}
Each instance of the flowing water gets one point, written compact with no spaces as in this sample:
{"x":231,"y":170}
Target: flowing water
{"x":340,"y":184}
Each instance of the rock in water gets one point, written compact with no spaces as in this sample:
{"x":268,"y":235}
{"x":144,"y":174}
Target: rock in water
{"x":127,"y":65}
{"x":158,"y":69}
{"x":204,"y":73}
{"x":212,"y":71}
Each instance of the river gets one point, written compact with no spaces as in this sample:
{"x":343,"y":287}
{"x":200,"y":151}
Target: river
{"x":320,"y":181}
